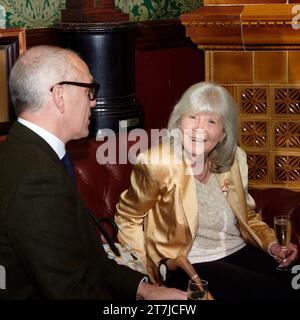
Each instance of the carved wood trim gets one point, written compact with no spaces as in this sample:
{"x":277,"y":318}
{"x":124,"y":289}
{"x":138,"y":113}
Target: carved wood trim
{"x":243,"y":27}
{"x":14,"y":42}
{"x":18,"y":33}
{"x":149,"y":35}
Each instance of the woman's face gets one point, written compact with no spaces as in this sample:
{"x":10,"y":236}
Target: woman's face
{"x":201,"y":132}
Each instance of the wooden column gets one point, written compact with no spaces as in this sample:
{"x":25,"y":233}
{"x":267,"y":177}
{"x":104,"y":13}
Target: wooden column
{"x":254,"y":51}
{"x":92,"y":11}
{"x":108,"y":49}
{"x":104,"y":37}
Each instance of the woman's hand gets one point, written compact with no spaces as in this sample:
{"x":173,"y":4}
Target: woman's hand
{"x":284,"y":256}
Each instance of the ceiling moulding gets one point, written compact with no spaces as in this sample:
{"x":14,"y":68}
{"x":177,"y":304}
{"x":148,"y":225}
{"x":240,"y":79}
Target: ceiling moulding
{"x":245,"y":27}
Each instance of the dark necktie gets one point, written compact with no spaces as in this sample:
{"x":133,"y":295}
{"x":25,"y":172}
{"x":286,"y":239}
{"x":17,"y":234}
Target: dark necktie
{"x":69,"y":167}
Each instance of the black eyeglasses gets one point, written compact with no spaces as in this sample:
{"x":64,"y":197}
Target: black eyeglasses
{"x":94,"y":87}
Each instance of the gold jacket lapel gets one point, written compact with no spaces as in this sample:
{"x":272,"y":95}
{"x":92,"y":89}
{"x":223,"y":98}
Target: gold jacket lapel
{"x":189,"y":198}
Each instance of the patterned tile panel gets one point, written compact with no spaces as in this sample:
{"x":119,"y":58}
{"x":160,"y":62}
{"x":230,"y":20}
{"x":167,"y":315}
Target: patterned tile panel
{"x":253,"y":100}
{"x":269,"y":131}
{"x":258,"y":167}
{"x":269,"y":110}
{"x":254,"y":134}
{"x":286,"y":135}
{"x":286,"y":169}
{"x":286,"y":101}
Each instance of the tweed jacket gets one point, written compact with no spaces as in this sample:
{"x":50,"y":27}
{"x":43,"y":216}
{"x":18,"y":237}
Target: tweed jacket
{"x":48,"y":243}
{"x":158,"y":214}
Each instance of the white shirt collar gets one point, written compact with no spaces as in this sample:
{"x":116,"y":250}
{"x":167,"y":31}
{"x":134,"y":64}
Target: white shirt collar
{"x":56,"y":144}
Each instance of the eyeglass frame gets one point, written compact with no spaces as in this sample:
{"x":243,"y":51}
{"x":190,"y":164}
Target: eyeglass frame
{"x":94,"y":87}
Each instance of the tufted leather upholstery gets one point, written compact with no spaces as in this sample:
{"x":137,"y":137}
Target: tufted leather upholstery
{"x":101,"y":185}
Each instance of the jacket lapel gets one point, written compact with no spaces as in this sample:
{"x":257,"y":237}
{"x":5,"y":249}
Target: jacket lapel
{"x":189,"y":198}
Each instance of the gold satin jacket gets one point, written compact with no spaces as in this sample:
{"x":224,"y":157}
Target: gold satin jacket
{"x":158,"y":214}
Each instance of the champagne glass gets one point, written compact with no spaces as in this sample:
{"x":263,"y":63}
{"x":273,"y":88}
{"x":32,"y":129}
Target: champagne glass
{"x":283,"y":229}
{"x":197,"y":290}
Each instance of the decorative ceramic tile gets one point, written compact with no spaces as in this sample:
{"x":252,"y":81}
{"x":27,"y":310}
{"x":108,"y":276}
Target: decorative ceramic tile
{"x":258,"y":167}
{"x":254,"y":134}
{"x":293,"y":66}
{"x":44,"y":13}
{"x":253,"y":100}
{"x":264,"y":70}
{"x":228,"y":63}
{"x":286,"y":101}
{"x":286,"y":169}
{"x":266,"y":88}
{"x":286,"y":134}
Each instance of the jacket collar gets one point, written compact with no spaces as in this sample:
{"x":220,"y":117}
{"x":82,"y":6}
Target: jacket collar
{"x":27,"y":136}
{"x":189,"y":198}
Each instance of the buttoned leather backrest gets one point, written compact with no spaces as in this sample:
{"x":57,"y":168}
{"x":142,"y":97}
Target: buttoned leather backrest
{"x":100,"y":185}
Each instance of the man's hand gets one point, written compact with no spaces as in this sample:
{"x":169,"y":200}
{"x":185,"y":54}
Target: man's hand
{"x":152,"y":292}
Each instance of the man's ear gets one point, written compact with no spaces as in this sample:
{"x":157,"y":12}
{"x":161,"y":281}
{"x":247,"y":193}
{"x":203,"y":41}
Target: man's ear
{"x":58,"y":97}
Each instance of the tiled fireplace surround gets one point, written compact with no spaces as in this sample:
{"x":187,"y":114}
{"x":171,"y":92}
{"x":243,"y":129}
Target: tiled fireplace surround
{"x":254,"y":52}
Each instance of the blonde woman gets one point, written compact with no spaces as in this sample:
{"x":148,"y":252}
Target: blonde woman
{"x":197,"y":204}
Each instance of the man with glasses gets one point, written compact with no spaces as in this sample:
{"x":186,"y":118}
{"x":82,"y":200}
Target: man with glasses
{"x":48,"y":244}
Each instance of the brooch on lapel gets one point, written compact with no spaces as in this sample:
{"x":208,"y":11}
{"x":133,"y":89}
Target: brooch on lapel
{"x":225,"y":188}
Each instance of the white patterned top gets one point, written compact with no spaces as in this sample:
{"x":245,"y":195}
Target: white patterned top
{"x":217,"y":235}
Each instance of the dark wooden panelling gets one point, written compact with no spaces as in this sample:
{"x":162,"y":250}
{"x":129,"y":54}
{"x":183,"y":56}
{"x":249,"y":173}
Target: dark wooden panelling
{"x":45,"y":36}
{"x":167,"y":63}
{"x":162,"y":76}
{"x":157,"y":34}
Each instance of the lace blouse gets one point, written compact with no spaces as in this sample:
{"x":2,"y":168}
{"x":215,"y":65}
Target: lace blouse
{"x":217,"y":235}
